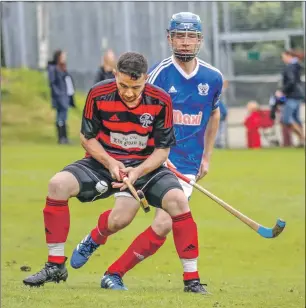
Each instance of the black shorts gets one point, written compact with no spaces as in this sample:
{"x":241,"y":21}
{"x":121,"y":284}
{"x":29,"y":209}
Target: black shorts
{"x":89,"y":172}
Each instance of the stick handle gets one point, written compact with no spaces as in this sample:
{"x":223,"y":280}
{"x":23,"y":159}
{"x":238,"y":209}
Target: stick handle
{"x":248,"y":221}
{"x":127,"y":182}
{"x":139,"y":196}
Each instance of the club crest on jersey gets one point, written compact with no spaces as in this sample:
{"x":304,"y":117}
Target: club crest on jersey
{"x":146,"y":120}
{"x":203,"y":88}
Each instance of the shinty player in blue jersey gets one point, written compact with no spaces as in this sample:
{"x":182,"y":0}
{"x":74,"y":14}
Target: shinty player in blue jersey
{"x":195,"y":87}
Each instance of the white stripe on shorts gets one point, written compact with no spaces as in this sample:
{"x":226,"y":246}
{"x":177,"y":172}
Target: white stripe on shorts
{"x":122,"y":194}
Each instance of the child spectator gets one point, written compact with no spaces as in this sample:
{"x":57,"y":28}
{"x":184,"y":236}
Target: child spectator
{"x":252,"y":124}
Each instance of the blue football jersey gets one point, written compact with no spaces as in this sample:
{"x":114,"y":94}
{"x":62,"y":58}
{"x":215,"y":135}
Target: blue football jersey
{"x":194,"y":97}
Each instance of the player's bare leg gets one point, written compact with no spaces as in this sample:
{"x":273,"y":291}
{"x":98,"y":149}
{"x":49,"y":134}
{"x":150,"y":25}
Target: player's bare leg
{"x":148,"y":242}
{"x":145,"y":244}
{"x":109,"y":223}
{"x":57,"y":221}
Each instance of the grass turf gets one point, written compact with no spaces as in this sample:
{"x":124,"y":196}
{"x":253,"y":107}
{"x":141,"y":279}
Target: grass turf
{"x":26,"y":113}
{"x":241,"y":268}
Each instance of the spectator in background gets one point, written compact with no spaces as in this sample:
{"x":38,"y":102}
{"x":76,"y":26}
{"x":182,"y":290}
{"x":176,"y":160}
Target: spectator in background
{"x":220,"y":138}
{"x":276,"y":104}
{"x":108,"y":63}
{"x":292,"y":90}
{"x":252,"y":124}
{"x":62,"y":92}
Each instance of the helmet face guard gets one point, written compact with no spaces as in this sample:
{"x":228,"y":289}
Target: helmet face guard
{"x":185,"y":36}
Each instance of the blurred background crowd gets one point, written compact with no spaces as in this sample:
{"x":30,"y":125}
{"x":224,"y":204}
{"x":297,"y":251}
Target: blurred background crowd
{"x":254,"y":44}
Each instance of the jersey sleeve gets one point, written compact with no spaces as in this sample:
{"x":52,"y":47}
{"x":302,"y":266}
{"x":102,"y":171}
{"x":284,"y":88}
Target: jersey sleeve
{"x":163,"y":130}
{"x":91,"y":123}
{"x":217,"y":96}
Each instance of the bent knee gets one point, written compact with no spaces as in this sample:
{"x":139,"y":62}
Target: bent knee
{"x":56,"y":186}
{"x":63,"y":185}
{"x":162,"y":226}
{"x":175,"y":202}
{"x":118,"y":222}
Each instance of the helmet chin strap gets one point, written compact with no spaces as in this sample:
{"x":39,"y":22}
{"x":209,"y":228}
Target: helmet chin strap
{"x":184,"y":57}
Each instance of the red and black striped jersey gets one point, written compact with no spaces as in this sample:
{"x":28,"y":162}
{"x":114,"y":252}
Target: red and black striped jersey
{"x":128,"y":133}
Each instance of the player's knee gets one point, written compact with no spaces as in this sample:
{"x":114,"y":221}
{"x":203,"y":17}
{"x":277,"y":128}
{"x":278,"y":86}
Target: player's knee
{"x":175,"y":202}
{"x":162,"y":225}
{"x":118,"y":221}
{"x":58,"y":187}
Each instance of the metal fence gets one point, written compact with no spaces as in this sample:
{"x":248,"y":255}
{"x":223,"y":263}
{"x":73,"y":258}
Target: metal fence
{"x":242,"y":39}
{"x":86,"y":29}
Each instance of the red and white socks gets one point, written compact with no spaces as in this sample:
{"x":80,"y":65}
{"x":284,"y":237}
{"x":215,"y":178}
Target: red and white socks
{"x":57,"y":223}
{"x":185,"y":236}
{"x":101,"y":232}
{"x":145,"y":245}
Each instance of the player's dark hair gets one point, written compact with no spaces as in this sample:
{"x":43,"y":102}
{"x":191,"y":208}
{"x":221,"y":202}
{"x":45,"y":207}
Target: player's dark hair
{"x":132,"y":64}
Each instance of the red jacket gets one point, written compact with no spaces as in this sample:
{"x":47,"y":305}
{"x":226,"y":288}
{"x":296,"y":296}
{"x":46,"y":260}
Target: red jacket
{"x":252,"y":124}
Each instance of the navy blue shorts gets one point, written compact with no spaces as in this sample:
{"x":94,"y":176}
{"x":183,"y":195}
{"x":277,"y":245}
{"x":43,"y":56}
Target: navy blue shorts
{"x":89,"y":172}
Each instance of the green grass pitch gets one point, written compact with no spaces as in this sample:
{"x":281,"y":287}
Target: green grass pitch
{"x":241,"y":268}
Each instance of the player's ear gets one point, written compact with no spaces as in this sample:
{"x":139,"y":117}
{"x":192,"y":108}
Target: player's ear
{"x":115,"y":72}
{"x":168,"y":36}
{"x":146,"y":76}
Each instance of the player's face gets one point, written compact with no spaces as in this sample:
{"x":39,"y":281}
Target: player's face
{"x":130,"y":89}
{"x":185,"y":42}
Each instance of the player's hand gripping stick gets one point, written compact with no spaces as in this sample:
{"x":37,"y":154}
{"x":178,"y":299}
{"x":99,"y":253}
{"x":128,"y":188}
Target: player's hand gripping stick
{"x":138,"y":195}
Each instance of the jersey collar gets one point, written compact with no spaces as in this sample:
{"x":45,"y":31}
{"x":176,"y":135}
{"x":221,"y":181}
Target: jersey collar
{"x":186,"y":76}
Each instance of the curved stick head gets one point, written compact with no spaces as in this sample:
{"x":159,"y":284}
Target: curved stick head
{"x":278,"y":228}
{"x":272,"y":232}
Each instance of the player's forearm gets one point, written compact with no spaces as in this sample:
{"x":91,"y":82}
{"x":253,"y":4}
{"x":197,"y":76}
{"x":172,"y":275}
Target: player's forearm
{"x":96,"y":150}
{"x":155,"y":160}
{"x":211,"y":133}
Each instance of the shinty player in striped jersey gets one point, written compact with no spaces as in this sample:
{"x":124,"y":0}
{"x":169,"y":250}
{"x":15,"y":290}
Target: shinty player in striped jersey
{"x":127,"y":126}
{"x":195,"y":87}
